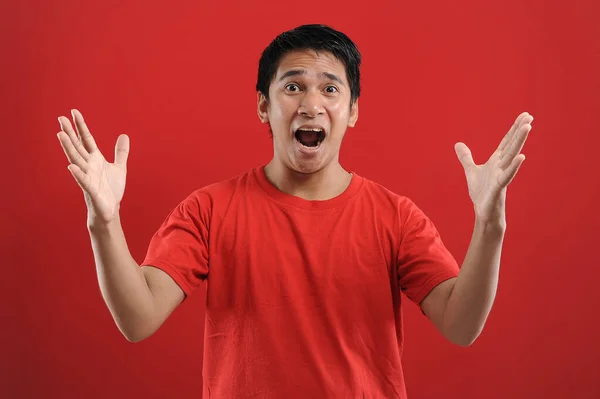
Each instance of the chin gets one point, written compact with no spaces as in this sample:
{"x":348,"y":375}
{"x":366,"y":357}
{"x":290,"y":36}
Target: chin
{"x":307,"y":166}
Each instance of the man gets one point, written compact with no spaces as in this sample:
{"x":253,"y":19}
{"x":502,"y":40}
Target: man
{"x":304,"y":261}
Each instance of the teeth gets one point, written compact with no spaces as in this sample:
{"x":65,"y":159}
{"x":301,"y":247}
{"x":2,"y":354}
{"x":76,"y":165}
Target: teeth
{"x":311,"y":130}
{"x":311,"y":148}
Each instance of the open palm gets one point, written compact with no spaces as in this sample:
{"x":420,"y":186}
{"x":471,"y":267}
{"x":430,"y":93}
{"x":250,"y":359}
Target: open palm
{"x":103,"y":183}
{"x":487,"y":183}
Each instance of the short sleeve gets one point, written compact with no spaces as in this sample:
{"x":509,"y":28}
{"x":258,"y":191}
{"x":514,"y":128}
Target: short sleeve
{"x":180,"y":246}
{"x":423,"y":260}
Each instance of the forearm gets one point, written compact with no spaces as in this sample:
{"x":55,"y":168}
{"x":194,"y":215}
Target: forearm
{"x":472,"y":297}
{"x":122,"y":282}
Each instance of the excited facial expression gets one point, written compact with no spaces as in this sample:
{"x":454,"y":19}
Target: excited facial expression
{"x":308,"y":110}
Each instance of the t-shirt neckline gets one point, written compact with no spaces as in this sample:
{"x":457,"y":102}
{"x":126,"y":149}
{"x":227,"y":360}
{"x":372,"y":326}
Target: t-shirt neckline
{"x":298,"y":202}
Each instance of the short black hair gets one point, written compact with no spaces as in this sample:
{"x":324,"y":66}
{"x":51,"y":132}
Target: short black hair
{"x":310,"y":37}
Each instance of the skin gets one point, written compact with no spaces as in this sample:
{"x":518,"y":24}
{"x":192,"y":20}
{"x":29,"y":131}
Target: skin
{"x":141,"y":299}
{"x":319,"y":95}
{"x":459,"y":307}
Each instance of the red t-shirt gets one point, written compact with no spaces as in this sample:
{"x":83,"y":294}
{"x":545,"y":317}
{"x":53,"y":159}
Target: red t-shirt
{"x":303,"y":297}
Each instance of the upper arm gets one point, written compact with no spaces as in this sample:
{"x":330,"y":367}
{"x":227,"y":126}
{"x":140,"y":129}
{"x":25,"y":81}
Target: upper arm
{"x":434,"y":303}
{"x":167,"y":294}
{"x":179,"y":249}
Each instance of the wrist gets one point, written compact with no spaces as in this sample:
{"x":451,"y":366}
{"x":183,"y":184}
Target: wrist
{"x":99,"y":225}
{"x":490,"y":226}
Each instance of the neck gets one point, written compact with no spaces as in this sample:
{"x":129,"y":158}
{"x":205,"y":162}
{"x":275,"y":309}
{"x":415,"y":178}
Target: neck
{"x":322,"y":185}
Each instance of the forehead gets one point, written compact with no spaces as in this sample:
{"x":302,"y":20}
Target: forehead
{"x":314,"y":63}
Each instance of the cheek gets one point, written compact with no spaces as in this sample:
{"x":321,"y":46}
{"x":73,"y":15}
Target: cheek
{"x":281,"y":112}
{"x":338,"y":111}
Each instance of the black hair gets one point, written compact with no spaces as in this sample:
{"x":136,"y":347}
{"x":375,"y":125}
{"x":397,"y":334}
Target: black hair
{"x":310,"y":37}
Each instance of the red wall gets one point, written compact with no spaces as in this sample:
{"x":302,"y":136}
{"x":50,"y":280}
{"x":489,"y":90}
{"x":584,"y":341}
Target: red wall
{"x":179,"y":79}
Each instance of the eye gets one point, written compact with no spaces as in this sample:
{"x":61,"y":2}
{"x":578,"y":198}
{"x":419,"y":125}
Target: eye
{"x":331,"y":89}
{"x":292,"y":87}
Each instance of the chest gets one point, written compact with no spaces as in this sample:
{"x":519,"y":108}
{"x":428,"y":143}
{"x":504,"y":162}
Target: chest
{"x":263,"y":256}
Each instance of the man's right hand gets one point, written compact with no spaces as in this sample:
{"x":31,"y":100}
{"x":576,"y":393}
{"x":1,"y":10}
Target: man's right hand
{"x":139,"y":298}
{"x":103,"y":183}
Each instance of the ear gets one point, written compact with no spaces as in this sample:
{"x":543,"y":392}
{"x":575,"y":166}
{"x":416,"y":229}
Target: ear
{"x":262,"y":107}
{"x":353,"y":114}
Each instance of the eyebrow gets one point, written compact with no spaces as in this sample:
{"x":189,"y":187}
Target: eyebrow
{"x":300,"y":72}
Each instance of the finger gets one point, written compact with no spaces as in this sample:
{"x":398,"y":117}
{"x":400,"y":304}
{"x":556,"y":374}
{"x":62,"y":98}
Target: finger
{"x":526,"y":120}
{"x":122,"y":150}
{"x":464,"y":155}
{"x":509,"y":174}
{"x":80,"y":177}
{"x":72,"y":154}
{"x":83,"y":131}
{"x":511,"y":132}
{"x":515,"y":147}
{"x":65,"y":125}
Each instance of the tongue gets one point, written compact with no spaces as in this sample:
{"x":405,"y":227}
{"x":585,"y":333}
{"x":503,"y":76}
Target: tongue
{"x":307,"y":138}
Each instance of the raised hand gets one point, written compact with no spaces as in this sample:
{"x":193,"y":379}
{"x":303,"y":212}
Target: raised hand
{"x":103,"y":183}
{"x":487,"y":183}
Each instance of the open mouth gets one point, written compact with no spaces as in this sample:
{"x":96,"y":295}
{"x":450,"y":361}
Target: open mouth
{"x":310,"y":137}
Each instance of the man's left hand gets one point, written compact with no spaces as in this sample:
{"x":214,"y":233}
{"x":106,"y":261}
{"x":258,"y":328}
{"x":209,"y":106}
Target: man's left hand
{"x":487,"y":183}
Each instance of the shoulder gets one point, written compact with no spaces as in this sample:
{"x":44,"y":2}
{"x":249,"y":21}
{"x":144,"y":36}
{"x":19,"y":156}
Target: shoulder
{"x":220,"y":192}
{"x":223,"y":188}
{"x":397,"y":210}
{"x":385,"y":196}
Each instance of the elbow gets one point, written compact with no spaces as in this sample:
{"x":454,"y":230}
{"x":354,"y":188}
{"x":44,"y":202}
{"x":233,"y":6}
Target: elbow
{"x":462,"y":333}
{"x":134,"y":338}
{"x":463,"y":338}
{"x":464,"y":342}
{"x":135,"y":334}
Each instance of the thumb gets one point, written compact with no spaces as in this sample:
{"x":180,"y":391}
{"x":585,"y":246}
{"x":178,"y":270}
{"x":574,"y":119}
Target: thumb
{"x":464,"y":155}
{"x":122,"y":150}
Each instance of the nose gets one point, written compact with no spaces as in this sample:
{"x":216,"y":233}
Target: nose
{"x":311,"y":104}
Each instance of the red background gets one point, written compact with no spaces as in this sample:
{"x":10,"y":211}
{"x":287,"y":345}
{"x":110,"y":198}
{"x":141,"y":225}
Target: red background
{"x":179,"y":77}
